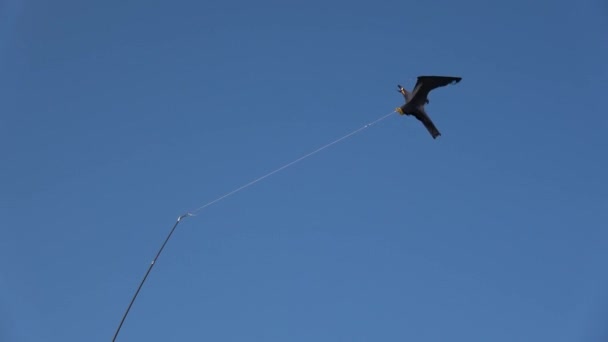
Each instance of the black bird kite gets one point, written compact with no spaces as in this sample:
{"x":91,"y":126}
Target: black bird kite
{"x":415,"y":100}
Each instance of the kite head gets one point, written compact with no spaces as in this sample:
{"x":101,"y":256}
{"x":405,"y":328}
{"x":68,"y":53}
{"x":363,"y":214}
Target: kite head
{"x":399,"y":110}
{"x":401,"y":89}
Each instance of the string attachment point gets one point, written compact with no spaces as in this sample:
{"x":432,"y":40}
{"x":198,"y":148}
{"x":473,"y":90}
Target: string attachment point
{"x":183,"y":216}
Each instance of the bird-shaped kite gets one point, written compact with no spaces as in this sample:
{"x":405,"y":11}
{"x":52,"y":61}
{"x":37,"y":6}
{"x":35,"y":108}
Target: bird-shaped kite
{"x":415,"y":100}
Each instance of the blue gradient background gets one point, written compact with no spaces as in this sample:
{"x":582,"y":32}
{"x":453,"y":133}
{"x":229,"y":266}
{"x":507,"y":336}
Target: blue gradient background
{"x":118,"y":116}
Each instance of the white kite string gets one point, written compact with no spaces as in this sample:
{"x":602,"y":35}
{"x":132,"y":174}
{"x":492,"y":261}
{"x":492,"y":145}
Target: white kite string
{"x":192,"y":213}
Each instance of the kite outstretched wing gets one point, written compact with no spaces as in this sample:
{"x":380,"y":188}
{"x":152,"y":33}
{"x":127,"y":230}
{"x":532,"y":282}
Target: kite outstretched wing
{"x":423,"y":117}
{"x":425,"y":84}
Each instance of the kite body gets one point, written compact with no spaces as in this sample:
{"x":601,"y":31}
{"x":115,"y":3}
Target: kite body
{"x":418,"y":98}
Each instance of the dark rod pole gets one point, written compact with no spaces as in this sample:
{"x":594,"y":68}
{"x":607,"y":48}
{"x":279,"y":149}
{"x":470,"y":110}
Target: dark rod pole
{"x":147,"y":273}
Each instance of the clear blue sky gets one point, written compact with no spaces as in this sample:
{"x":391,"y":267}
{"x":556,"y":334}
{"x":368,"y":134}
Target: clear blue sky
{"x":118,"y":116}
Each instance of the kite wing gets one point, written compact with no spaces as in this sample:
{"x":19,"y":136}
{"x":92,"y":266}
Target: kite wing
{"x":425,"y":84}
{"x":423,"y":117}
